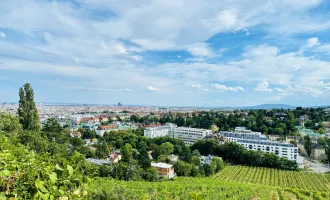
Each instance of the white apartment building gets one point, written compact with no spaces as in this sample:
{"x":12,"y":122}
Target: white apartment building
{"x":256,"y":141}
{"x":190,"y":135}
{"x":234,"y":136}
{"x":289,"y":151}
{"x":158,"y":131}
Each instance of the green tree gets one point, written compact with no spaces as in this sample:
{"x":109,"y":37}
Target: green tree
{"x":264,"y":129}
{"x":182,"y":168}
{"x":278,"y":131}
{"x":166,"y":148}
{"x":282,"y":126}
{"x":196,"y":153}
{"x":180,"y":121}
{"x":102,"y":150}
{"x":308,"y":145}
{"x":52,"y":126}
{"x":309,"y":124}
{"x":9,"y":123}
{"x":219,"y":164}
{"x":150,"y":174}
{"x":143,"y":159}
{"x":127,"y":153}
{"x":327,"y":149}
{"x":27,"y":111}
{"x":195,"y":160}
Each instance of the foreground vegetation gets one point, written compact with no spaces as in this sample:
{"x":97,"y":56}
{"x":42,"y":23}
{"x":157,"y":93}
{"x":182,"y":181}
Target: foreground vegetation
{"x":277,"y":178}
{"x":234,"y":182}
{"x":195,"y":188}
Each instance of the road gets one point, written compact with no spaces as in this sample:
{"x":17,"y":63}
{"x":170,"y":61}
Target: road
{"x":318,"y":167}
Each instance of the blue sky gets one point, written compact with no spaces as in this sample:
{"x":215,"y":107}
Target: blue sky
{"x":174,"y":52}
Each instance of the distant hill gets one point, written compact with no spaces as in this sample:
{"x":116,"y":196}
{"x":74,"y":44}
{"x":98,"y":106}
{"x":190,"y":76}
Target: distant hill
{"x":272,"y":106}
{"x":263,"y":106}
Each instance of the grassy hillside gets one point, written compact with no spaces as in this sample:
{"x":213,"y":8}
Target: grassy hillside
{"x":232,"y":183}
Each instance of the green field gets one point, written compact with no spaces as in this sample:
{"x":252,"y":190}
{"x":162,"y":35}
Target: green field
{"x":276,"y":178}
{"x":233,"y":183}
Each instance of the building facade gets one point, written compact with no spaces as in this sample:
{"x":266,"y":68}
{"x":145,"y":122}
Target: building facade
{"x":190,"y":135}
{"x":160,"y":131}
{"x":256,"y":141}
{"x":164,"y":170}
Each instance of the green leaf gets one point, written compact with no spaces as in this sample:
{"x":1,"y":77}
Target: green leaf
{"x":45,"y":196}
{"x":58,"y":167}
{"x":5,"y":173}
{"x":53,"y":177}
{"x":70,"y":169}
{"x":40,"y":185}
{"x":2,"y":196}
{"x":61,"y":192}
{"x":76,"y":192}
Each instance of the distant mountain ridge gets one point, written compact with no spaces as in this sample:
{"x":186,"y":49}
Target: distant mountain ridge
{"x":271,"y":106}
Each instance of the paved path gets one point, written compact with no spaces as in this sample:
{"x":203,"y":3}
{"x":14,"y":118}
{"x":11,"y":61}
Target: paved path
{"x":318,"y":167}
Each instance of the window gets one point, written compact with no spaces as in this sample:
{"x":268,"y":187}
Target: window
{"x":267,"y":148}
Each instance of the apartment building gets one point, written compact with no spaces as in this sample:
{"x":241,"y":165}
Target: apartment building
{"x":256,"y":141}
{"x":190,"y":135}
{"x":160,"y":131}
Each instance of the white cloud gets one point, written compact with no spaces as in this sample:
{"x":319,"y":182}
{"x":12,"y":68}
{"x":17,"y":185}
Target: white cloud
{"x":226,"y":88}
{"x":261,"y":50}
{"x":263,"y":87}
{"x":314,"y":41}
{"x":92,"y":50}
{"x":311,"y":43}
{"x":199,"y":87}
{"x":200,"y":50}
{"x":151,"y":88}
{"x":2,"y":35}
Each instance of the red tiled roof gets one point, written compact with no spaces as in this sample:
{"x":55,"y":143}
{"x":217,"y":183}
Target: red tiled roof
{"x":111,"y":126}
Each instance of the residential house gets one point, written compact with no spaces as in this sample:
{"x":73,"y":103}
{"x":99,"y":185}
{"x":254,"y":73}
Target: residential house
{"x":164,"y":170}
{"x":102,"y":129}
{"x":206,"y":159}
{"x":115,"y":157}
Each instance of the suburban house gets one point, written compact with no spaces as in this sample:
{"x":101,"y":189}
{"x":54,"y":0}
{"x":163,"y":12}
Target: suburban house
{"x":102,"y":129}
{"x":206,"y":159}
{"x":164,"y":170}
{"x":115,"y":157}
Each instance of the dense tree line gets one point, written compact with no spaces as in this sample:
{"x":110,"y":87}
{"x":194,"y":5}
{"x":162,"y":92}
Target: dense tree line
{"x":275,"y":121}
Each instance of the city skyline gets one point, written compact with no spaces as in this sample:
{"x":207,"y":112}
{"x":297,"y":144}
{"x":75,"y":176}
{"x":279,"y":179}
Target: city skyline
{"x":218,"y":54}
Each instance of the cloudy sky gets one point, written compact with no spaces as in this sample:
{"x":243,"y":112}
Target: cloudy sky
{"x":173,"y":52}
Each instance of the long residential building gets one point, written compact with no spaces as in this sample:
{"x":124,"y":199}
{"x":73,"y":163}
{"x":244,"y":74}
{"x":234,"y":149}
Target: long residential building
{"x":256,"y":141}
{"x":160,"y":131}
{"x":190,"y":135}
